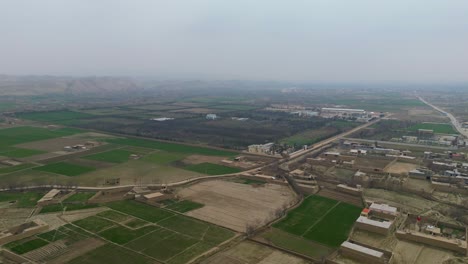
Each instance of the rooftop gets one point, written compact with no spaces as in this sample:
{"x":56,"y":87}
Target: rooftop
{"x":365,"y":250}
{"x":383,"y":207}
{"x":365,"y":220}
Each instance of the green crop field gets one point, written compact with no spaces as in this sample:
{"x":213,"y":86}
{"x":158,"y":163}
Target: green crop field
{"x":114,"y":216}
{"x":113,"y":156}
{"x":184,"y":206}
{"x":211,"y":169}
{"x":171,"y":147}
{"x":334,"y":228}
{"x":321,"y":219}
{"x":140,"y":210}
{"x":94,"y":224}
{"x":300,"y":219}
{"x":23,"y":199}
{"x":296,"y":243}
{"x":26,"y":245}
{"x":122,"y":235}
{"x":65,"y":168}
{"x":52,"y":208}
{"x":438,"y":128}
{"x":136,"y":223}
{"x":164,"y":157}
{"x":81,"y":197}
{"x":13,"y":152}
{"x":55,"y":116}
{"x":18,"y":135}
{"x":111,"y":254}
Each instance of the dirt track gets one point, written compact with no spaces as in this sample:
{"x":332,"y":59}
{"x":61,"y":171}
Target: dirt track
{"x":234,"y":205}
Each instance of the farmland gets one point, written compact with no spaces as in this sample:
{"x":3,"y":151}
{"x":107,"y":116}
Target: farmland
{"x":322,"y":220}
{"x":18,"y":135}
{"x":437,"y":128}
{"x":236,"y":205}
{"x":65,"y":168}
{"x":113,"y":156}
{"x":22,"y":199}
{"x":170,"y":147}
{"x":211,"y":169}
{"x":166,"y":239}
{"x":184,"y":206}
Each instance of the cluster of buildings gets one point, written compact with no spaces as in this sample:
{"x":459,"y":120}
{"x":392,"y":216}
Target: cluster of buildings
{"x":266,"y":149}
{"x":428,"y":137}
{"x":359,"y":115}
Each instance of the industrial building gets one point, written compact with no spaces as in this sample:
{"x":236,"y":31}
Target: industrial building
{"x":261,"y":148}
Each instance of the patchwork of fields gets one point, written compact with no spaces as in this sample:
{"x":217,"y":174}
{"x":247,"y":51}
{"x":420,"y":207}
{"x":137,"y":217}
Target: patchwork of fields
{"x":44,"y":161}
{"x":131,"y":232}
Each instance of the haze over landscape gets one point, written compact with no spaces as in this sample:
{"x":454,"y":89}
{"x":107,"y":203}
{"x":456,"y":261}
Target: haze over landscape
{"x":233,"y":132}
{"x":336,"y":41}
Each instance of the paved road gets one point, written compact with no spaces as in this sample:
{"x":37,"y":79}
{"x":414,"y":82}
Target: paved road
{"x":454,"y":121}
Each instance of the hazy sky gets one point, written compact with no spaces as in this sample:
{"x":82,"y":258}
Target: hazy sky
{"x":311,"y":40}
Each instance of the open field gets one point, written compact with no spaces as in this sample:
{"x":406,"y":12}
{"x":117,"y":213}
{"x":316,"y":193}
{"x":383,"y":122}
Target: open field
{"x":171,"y":147}
{"x":140,"y":210}
{"x":53,"y":144}
{"x":438,"y":128}
{"x":54,"y":117}
{"x":248,"y":252}
{"x":19,"y":135}
{"x":321,"y":219}
{"x":401,"y":167}
{"x":134,"y":171}
{"x":16,"y":168}
{"x":21,"y":199}
{"x":236,"y":205}
{"x":184,"y":206}
{"x":26,"y":245}
{"x":113,"y":156}
{"x":163,"y":157}
{"x":80,"y":197}
{"x":111,"y":254}
{"x":294,"y":243}
{"x":52,"y":208}
{"x":211,"y":169}
{"x":65,"y":168}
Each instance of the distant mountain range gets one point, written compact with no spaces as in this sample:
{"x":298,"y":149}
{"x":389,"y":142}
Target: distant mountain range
{"x":35,"y":85}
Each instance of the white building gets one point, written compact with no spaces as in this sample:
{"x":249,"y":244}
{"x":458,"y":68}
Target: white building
{"x":261,"y":149}
{"x":211,"y":116}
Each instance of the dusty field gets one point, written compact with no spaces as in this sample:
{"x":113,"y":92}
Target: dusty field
{"x":376,"y":240}
{"x":339,"y":196}
{"x":137,"y":171}
{"x":235,"y":205}
{"x":371,"y":163}
{"x":401,"y":167}
{"x":51,"y":219}
{"x":417,"y":184}
{"x":252,"y":253}
{"x":51,"y":145}
{"x":411,"y":203}
{"x":197,"y":159}
{"x":407,"y":252}
{"x":10,"y":217}
{"x":81,"y":214}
